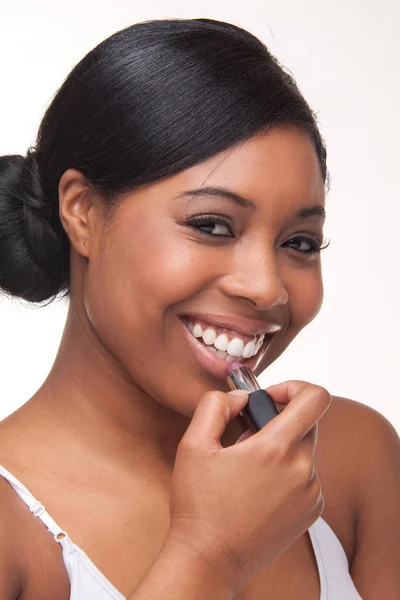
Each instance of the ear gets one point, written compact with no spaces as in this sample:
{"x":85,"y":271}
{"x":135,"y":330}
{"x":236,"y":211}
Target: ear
{"x":78,"y":210}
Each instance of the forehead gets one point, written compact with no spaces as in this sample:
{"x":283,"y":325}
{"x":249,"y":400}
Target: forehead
{"x":277,"y":171}
{"x":281,"y":164}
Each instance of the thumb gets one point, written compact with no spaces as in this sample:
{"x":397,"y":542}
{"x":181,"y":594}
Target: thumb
{"x":212,"y":415}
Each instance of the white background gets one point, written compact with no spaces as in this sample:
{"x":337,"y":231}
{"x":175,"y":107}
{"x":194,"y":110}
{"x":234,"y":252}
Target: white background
{"x":345,"y":58}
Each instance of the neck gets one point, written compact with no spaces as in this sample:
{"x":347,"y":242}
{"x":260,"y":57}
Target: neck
{"x":92,"y":405}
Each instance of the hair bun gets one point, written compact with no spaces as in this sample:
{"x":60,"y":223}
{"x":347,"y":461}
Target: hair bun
{"x":32,"y":266}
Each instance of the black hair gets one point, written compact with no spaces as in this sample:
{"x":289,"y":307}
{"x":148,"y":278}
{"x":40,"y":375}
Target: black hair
{"x":149,"y":101}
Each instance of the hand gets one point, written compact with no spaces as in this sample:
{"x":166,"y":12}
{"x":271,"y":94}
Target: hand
{"x":241,"y":507}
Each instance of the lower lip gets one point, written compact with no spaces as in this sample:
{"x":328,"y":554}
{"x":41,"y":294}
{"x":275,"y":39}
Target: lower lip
{"x":213,"y":364}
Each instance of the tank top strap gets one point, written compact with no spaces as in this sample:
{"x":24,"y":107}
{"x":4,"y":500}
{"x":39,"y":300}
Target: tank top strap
{"x":34,"y":505}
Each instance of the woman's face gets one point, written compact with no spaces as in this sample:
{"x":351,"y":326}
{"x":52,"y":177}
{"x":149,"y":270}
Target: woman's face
{"x":171,"y":254}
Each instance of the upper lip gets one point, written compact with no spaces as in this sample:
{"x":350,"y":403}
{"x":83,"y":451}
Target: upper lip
{"x":238,"y":324}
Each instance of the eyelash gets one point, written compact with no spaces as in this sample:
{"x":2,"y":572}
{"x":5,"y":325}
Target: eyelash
{"x":203,"y":220}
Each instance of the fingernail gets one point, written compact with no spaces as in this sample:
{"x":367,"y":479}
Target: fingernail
{"x":238,"y":393}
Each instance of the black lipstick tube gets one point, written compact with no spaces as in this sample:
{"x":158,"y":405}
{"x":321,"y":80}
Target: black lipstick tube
{"x":260,"y":408}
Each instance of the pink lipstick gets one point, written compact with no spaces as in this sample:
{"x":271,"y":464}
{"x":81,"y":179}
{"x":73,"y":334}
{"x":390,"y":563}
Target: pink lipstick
{"x":260,"y":408}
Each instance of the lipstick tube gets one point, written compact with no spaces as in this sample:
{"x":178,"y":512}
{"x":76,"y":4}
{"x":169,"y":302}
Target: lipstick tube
{"x":260,"y":408}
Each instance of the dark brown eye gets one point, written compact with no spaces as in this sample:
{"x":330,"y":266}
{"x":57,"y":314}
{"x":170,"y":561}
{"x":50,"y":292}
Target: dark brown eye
{"x":306,"y":244}
{"x":212,"y":225}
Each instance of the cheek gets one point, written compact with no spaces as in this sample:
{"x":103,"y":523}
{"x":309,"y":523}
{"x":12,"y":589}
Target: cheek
{"x":129,"y":286}
{"x":133,"y":277}
{"x":305,"y":300}
{"x":155,"y":271}
{"x":306,"y":295}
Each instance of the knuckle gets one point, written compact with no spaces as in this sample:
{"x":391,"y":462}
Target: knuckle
{"x":279,"y":451}
{"x":186,"y":445}
{"x":218,"y":399}
{"x":319,"y":502}
{"x":314,"y":488}
{"x":315,"y":497}
{"x":314,"y":502}
{"x":320,"y":505}
{"x":214,"y":396}
{"x":304,"y":470}
{"x":316,"y":392}
{"x":296,"y":386}
{"x":323,"y":395}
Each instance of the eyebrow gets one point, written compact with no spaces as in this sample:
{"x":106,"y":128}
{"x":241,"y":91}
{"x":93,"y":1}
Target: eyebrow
{"x":305,"y":213}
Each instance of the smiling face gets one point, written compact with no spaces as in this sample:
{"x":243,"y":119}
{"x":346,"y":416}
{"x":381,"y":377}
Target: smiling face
{"x":168,"y":253}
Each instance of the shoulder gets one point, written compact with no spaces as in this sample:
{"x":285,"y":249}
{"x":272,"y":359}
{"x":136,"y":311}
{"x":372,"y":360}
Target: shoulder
{"x":360,"y":428}
{"x":357,"y":440}
{"x":370,"y":460}
{"x":12,"y":565}
{"x":358,"y":453}
{"x":356,"y":410}
{"x":30,"y":558}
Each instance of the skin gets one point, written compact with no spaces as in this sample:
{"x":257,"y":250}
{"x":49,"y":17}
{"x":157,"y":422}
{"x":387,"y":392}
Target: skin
{"x":122,"y":373}
{"x":106,"y":423}
{"x":124,"y":385}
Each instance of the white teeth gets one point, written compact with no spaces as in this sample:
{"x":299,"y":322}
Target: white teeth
{"x":197,"y":330}
{"x":209,"y":336}
{"x":259,"y":344}
{"x":229,"y":358}
{"x":222,"y":342}
{"x":220,"y":345}
{"x":248,"y":350}
{"x":224,"y":355}
{"x":235,"y":347}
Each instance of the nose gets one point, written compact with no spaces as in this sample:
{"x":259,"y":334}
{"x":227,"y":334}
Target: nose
{"x":254,"y":276}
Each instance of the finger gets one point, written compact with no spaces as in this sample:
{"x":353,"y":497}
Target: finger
{"x":309,"y":441}
{"x":308,"y":445}
{"x":305,"y":405}
{"x":283,"y":393}
{"x":212,"y":415}
{"x":248,"y":433}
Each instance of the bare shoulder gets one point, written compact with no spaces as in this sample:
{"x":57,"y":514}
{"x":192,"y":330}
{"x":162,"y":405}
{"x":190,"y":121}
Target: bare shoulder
{"x":12,"y":566}
{"x":354,"y":442}
{"x":357,"y":428}
{"x":30,"y":560}
{"x":370,"y":461}
{"x":345,"y":406}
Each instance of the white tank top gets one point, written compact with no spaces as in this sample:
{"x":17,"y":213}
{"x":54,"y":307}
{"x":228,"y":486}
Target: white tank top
{"x":87,"y":582}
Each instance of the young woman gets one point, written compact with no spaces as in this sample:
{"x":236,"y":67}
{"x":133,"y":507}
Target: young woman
{"x":175,"y":196}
